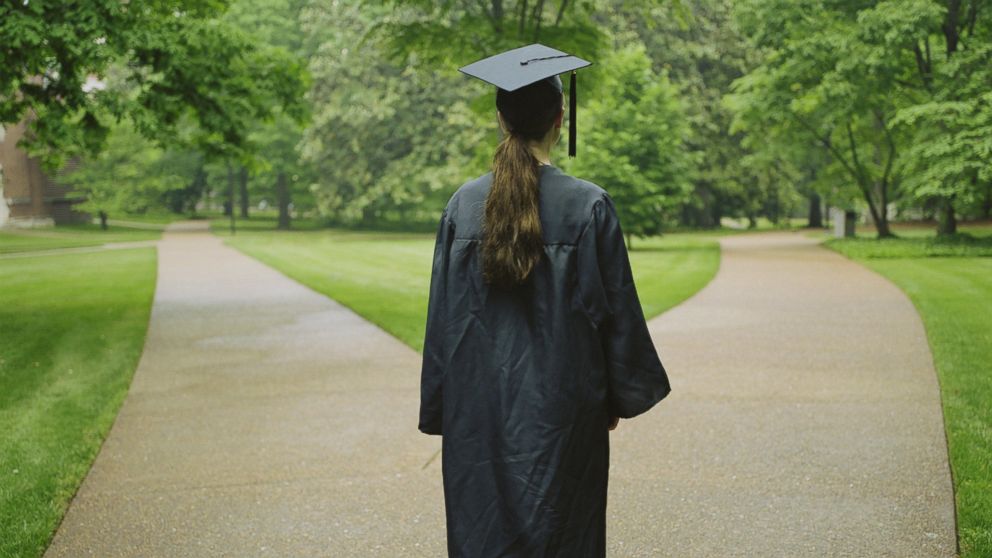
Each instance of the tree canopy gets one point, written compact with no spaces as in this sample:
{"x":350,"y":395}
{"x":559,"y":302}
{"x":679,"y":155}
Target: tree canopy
{"x":894,"y":91}
{"x":693,"y":111}
{"x":177,"y":62}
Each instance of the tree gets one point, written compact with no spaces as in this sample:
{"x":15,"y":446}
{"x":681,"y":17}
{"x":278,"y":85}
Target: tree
{"x":460,"y":29}
{"x":635,"y":142}
{"x":866,"y":81}
{"x":279,"y":171}
{"x":276,"y":170}
{"x":950,"y":120}
{"x":251,"y":122}
{"x":822,"y":80}
{"x":695,"y":43}
{"x":180,"y":62}
{"x":132,"y":175}
{"x":385,"y":138}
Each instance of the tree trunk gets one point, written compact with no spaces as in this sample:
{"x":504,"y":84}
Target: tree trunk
{"x":883,"y":231}
{"x":243,"y":183}
{"x":987,"y":202}
{"x":879,"y":217}
{"x":282,"y":200}
{"x":815,"y":213}
{"x":716,"y":213}
{"x":947,"y":222}
{"x":882,"y":226}
{"x":630,"y":245}
{"x":929,"y":209}
{"x":103,"y":219}
{"x":229,"y":206}
{"x":199,"y":186}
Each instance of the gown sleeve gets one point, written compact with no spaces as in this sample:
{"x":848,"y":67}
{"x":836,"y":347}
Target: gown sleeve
{"x":636,"y":378}
{"x":432,"y":372}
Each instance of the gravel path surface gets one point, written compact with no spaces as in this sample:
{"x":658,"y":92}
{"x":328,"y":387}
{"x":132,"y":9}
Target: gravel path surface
{"x":267,"y":420}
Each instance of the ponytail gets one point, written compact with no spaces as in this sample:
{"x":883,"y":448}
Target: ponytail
{"x":512,"y":242}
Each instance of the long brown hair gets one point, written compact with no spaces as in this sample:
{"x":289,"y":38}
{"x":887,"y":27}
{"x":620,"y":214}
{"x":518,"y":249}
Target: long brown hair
{"x":513,"y":243}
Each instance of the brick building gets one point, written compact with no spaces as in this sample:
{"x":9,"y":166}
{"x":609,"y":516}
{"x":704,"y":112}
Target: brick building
{"x":28,"y":196}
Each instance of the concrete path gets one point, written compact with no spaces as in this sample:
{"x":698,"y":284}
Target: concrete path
{"x":267,"y":420}
{"x":804,"y":419}
{"x":264,"y":420}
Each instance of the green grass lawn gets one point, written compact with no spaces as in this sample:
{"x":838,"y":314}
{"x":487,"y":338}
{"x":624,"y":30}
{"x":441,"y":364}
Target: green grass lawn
{"x":950,"y":282}
{"x":150,"y":218}
{"x":71,"y":332}
{"x":260,"y":222}
{"x":385,"y":276}
{"x":918,"y":242}
{"x":70,"y":236}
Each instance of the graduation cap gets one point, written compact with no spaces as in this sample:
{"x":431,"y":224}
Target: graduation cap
{"x":522,"y":66}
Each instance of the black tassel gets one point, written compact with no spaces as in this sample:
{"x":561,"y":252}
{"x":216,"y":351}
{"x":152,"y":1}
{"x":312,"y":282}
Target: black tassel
{"x":571,"y":116}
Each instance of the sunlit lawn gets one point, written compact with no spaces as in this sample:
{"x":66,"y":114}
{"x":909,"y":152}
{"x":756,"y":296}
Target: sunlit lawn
{"x":72,"y":328}
{"x":950,"y":282}
{"x":70,"y":236}
{"x":385,"y":276}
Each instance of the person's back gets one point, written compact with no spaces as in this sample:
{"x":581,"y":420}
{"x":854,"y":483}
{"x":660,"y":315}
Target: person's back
{"x":535,"y":343}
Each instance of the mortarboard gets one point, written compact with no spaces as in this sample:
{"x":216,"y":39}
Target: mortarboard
{"x":522,"y":66}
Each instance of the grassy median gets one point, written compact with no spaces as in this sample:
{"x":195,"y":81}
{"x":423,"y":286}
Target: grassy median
{"x":385,"y":276}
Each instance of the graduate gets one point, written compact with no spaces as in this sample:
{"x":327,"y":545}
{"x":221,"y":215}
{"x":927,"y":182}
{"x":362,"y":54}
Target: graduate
{"x":536,"y":344}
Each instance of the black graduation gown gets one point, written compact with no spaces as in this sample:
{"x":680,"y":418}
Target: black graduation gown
{"x":521,"y":383}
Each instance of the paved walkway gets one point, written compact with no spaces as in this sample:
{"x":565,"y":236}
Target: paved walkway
{"x":267,"y":420}
{"x":264,"y":420}
{"x":804,"y":418}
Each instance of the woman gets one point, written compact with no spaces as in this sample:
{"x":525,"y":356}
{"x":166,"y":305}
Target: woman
{"x":536,"y":343}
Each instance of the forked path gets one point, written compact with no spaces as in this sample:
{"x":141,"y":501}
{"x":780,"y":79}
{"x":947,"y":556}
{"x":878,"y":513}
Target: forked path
{"x":267,"y":420}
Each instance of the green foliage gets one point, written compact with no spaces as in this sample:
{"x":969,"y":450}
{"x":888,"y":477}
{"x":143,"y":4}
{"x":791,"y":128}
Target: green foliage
{"x":180,"y":62}
{"x":133,"y":175}
{"x":851,"y":99}
{"x":214,"y":73}
{"x":895,"y":91}
{"x":634,"y":138}
{"x":254,"y":120}
{"x":460,"y":30}
{"x":396,"y":129}
{"x":71,"y":331}
{"x":951,"y":154}
{"x":387,"y":143}
{"x":279,"y":24}
{"x":821,"y":81}
{"x":695,"y":43}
